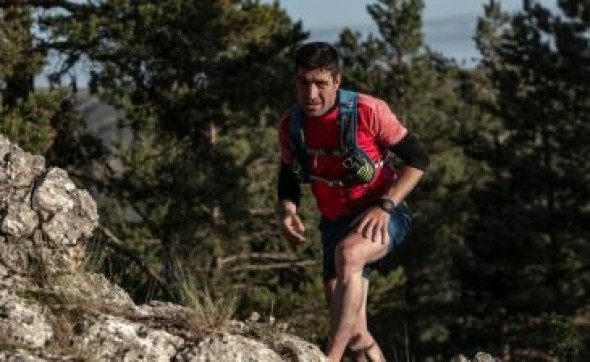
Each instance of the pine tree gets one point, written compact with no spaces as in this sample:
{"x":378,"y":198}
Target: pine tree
{"x":24,"y":116}
{"x":523,"y":272}
{"x":200,"y":85}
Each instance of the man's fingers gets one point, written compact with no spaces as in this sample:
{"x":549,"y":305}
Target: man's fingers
{"x":377,"y":233}
{"x":372,"y":226}
{"x":369,"y":231}
{"x":294,"y":238}
{"x":358,"y":220}
{"x":297,"y":237}
{"x":368,"y":228}
{"x":360,"y":224}
{"x":298,"y":224}
{"x":293,"y":229}
{"x":298,"y":228}
{"x":361,"y":227}
{"x":384,"y":234}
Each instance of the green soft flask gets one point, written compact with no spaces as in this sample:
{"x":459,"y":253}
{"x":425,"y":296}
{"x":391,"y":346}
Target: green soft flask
{"x":360,"y":166}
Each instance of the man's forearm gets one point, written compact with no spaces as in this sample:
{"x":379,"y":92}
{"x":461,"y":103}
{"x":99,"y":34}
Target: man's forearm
{"x":416,"y":161}
{"x":289,"y":190}
{"x":407,"y":180}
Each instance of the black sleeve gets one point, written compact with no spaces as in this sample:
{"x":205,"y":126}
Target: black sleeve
{"x":289,"y":188}
{"x":411,"y":152}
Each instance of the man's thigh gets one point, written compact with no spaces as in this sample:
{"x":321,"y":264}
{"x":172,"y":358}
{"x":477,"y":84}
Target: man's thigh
{"x":360,"y":250}
{"x":336,"y":231}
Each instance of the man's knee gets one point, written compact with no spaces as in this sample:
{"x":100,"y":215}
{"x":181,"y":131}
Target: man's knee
{"x":357,"y":338}
{"x":348,"y":259}
{"x":360,"y":341}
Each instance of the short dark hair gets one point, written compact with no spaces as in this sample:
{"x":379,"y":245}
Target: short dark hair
{"x":318,"y":55}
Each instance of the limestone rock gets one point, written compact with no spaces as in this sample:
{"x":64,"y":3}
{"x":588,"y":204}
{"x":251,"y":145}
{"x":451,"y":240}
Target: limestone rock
{"x":18,"y":170}
{"x":92,"y":287}
{"x":45,"y":219}
{"x":22,"y":323}
{"x":228,"y":347}
{"x":301,"y":350}
{"x":20,"y":220}
{"x":110,"y":338}
{"x":19,"y":355}
{"x":51,"y":309}
{"x":69,"y":213}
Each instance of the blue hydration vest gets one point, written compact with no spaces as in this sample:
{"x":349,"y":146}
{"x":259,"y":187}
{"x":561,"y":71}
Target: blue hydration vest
{"x":362,"y":168}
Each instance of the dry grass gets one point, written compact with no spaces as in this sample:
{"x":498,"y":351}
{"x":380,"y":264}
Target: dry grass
{"x":209,"y":310}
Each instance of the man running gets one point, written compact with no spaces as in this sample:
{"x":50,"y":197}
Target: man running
{"x":359,"y":195}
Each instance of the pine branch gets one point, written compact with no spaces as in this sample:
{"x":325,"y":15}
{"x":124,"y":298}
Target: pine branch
{"x":273,"y":266}
{"x":220,"y":262}
{"x":114,"y":242}
{"x":280,"y":261}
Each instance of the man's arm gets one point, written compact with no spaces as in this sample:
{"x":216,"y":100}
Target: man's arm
{"x":373,"y":223}
{"x":289,"y":190}
{"x":416,"y":161}
{"x":289,"y":194}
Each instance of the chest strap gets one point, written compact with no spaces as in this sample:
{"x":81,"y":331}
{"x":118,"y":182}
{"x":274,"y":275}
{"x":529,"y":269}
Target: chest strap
{"x":323,"y":152}
{"x":359,"y":164}
{"x":341,"y":181}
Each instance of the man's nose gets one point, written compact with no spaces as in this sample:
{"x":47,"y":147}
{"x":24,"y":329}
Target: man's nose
{"x":312,"y":91}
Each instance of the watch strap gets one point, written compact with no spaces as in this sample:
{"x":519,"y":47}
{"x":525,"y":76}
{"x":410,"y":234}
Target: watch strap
{"x":386,"y":204}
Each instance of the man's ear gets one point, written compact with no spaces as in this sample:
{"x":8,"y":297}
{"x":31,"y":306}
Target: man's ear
{"x":337,"y":80}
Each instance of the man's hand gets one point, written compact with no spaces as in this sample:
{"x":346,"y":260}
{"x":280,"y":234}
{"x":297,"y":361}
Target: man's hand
{"x":292,"y":227}
{"x":373,"y":225}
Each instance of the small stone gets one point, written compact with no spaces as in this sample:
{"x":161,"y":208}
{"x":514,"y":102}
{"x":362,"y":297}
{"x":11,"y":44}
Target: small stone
{"x":483,"y":357}
{"x":254,"y":317}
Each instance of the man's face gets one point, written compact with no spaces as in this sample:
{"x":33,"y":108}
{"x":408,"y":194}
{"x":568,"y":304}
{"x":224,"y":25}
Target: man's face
{"x":317,"y":90}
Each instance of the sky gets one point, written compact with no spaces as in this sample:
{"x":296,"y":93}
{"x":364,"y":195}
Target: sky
{"x":449,"y":25}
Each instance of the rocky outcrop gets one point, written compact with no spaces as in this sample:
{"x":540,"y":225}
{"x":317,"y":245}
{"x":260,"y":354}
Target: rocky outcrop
{"x":52,"y":309}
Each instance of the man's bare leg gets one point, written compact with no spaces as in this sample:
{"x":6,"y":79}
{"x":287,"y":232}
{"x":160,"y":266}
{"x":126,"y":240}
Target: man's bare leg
{"x":362,"y":344}
{"x":344,"y":310}
{"x":349,"y":294}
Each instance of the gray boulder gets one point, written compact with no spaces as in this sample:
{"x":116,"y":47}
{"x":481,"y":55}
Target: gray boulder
{"x":52,"y":309}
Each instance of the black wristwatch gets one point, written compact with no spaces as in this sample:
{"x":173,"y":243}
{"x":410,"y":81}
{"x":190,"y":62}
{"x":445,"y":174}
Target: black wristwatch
{"x":386,"y":204}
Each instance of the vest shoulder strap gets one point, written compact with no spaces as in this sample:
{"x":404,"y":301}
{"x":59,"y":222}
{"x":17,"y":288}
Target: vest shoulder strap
{"x":348,"y":103}
{"x":347,"y":108}
{"x":297,"y":142}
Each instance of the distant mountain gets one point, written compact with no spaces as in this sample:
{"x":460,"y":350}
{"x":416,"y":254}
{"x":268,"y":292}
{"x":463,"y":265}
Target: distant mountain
{"x":101,"y":118}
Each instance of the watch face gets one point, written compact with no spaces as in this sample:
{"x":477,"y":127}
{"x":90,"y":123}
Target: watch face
{"x":387,"y":205}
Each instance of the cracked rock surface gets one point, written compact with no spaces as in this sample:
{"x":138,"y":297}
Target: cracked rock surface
{"x":51,"y":309}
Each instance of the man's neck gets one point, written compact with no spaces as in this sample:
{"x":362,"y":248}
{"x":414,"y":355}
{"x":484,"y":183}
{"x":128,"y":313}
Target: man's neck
{"x":330,"y":110}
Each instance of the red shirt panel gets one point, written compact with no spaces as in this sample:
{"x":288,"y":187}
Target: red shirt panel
{"x":378,"y":129}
